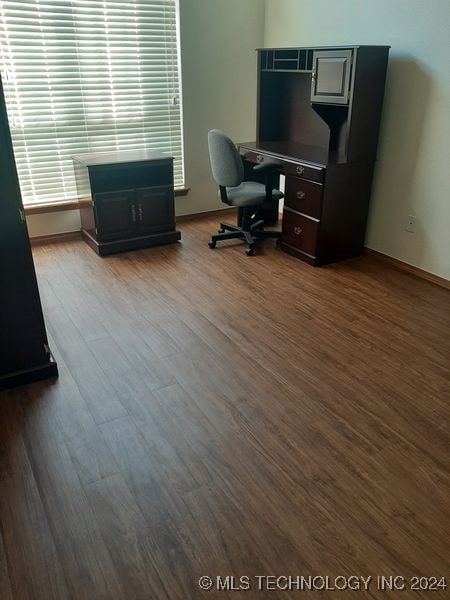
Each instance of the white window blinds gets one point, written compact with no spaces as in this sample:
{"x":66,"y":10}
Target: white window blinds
{"x":88,"y":76}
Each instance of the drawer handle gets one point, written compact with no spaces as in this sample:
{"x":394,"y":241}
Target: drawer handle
{"x":300,"y":170}
{"x":298,"y":230}
{"x":133,"y":213}
{"x":301,"y":195}
{"x":140,"y":211}
{"x":260,"y":158}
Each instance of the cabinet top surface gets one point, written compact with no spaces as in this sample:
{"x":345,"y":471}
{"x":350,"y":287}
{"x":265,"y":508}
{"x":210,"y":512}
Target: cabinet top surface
{"x":126,"y":156}
{"x":348,"y":47}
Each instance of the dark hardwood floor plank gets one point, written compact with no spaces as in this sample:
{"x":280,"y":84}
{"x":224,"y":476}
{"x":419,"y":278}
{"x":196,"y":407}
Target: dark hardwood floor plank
{"x":94,"y":386}
{"x":85,"y":559}
{"x":123,"y":527}
{"x":152,"y":467}
{"x":13,"y":452}
{"x":91,"y":457}
{"x":132,"y":454}
{"x":63,"y":400}
{"x":82,"y":307}
{"x":5,"y":582}
{"x":34,"y":566}
{"x":128,"y":377}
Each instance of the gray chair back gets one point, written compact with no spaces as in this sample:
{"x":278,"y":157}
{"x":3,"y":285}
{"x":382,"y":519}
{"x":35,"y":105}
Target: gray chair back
{"x":226,"y":164}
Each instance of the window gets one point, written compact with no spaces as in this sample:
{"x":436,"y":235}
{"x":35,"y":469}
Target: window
{"x":88,"y":76}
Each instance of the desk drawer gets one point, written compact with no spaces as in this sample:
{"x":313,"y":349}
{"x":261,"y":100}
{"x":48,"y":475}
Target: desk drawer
{"x":303,"y":196}
{"x":299,"y":232}
{"x":259,"y":159}
{"x":305,"y":171}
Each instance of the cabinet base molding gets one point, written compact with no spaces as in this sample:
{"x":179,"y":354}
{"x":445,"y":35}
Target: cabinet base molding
{"x":395,"y":262}
{"x":46,"y":371}
{"x":311,"y":260}
{"x":134,"y":243}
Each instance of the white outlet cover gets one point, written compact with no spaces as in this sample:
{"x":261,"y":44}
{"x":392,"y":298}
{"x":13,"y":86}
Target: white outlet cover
{"x":411,"y":224}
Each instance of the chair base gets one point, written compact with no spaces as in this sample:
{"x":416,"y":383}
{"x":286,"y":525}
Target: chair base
{"x":249,"y":235}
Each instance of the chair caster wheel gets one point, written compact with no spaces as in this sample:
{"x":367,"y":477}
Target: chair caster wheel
{"x":212,"y":244}
{"x":249,"y":252}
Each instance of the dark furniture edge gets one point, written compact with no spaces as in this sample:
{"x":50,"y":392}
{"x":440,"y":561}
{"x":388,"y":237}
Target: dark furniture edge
{"x":46,"y":371}
{"x":135,"y":243}
{"x":340,"y":47}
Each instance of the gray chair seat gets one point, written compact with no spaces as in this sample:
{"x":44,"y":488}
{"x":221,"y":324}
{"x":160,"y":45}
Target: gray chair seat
{"x":250,"y":193}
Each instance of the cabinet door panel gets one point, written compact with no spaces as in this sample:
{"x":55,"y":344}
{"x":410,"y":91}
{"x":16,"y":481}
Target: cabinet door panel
{"x":155,"y":208}
{"x":331,"y":76}
{"x":115,"y":215}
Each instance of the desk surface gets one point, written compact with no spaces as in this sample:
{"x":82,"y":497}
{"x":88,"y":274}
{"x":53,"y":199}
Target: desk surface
{"x":293,"y":151}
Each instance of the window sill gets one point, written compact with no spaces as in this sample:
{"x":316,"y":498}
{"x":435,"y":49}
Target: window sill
{"x":182,"y":191}
{"x":37,"y":209}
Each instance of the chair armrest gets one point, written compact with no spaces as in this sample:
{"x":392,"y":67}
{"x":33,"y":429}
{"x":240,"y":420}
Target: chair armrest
{"x":267,"y":165}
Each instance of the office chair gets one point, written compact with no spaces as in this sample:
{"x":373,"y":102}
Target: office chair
{"x":247,"y":196}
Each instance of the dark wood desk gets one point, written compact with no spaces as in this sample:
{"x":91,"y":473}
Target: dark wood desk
{"x":126,"y":200}
{"x":319,"y":112}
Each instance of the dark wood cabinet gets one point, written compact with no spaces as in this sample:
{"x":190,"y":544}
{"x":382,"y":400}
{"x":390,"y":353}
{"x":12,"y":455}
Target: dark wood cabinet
{"x":126,"y":200}
{"x":24,"y":352}
{"x":318,"y":118}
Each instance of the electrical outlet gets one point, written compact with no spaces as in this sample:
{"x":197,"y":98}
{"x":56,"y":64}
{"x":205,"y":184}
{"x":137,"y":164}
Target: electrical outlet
{"x":411,"y":224}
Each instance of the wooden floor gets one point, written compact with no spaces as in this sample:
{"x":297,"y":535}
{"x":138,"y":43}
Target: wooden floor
{"x":224,"y":415}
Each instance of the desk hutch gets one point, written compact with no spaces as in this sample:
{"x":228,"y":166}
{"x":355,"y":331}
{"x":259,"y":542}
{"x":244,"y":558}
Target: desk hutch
{"x":318,"y":117}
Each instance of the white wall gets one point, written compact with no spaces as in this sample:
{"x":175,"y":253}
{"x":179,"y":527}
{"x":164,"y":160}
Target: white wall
{"x":412,"y":173}
{"x":218,"y":41}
